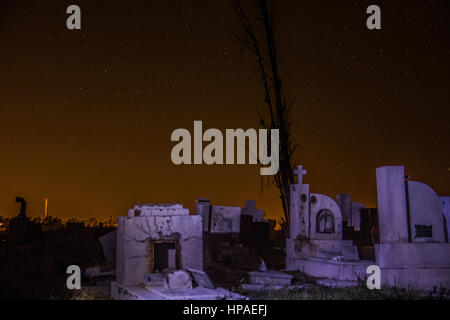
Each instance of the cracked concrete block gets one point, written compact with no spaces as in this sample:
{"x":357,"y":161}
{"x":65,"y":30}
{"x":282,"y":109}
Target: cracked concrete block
{"x":138,"y":239}
{"x":179,"y":279}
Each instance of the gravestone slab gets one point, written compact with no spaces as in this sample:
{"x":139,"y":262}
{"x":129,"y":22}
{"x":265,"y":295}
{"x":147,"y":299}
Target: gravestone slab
{"x":356,"y":215}
{"x":344,"y":203}
{"x":225,"y":219}
{"x":250,"y":209}
{"x":202,"y":208}
{"x":391,"y":191}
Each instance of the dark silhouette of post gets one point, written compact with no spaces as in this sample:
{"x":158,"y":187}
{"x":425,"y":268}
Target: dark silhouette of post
{"x":23,"y":206}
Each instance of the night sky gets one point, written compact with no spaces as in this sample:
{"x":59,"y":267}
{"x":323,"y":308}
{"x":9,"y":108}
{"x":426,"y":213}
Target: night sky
{"x":86,"y":116}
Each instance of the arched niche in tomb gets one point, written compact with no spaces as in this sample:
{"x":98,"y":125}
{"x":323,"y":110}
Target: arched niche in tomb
{"x":426,"y":214}
{"x":325,"y":218}
{"x":325,"y":222}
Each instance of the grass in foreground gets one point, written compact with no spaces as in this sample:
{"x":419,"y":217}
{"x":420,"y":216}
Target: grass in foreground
{"x":361,"y":292}
{"x":313,"y":292}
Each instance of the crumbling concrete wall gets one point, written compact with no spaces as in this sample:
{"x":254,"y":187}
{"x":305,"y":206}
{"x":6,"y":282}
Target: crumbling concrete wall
{"x":136,"y":233}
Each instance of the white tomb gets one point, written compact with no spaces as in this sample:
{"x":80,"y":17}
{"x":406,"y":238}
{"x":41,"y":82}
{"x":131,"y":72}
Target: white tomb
{"x":412,"y":250}
{"x":250,"y":210}
{"x":154,"y":237}
{"x":315,"y":244}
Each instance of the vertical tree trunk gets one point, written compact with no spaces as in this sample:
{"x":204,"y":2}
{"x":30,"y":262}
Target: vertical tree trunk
{"x":259,"y":38}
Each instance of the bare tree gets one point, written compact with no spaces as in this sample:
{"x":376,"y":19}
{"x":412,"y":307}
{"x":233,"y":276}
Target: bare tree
{"x":258,"y":37}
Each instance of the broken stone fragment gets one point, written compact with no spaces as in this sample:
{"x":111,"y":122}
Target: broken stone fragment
{"x":201,"y":279}
{"x":179,"y":279}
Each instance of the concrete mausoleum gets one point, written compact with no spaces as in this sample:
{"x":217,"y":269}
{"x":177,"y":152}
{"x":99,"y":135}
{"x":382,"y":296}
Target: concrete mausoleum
{"x":315,"y":245}
{"x":413,"y":251}
{"x":160,"y":248}
{"x":154,"y":237}
{"x":410,"y":236}
{"x":159,"y":256}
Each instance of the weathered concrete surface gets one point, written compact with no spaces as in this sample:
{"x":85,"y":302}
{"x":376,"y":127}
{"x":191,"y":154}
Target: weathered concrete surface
{"x":225,"y":219}
{"x":262,"y":287}
{"x":201,"y":279}
{"x":316,"y":233}
{"x":299,"y":208}
{"x":345,"y":204}
{"x":423,"y":278}
{"x":136,"y":233}
{"x":425,"y":209}
{"x":339,"y":270}
{"x":421,"y":266}
{"x":155,"y":280}
{"x":270,"y":277}
{"x":351,"y":211}
{"x":325,"y":249}
{"x":407,"y":255}
{"x":356,"y":215}
{"x":157,"y":209}
{"x":121,"y":292}
{"x":391,"y":191}
{"x":423,"y":261}
{"x":178,"y":279}
{"x":203,"y":208}
{"x":320,"y":202}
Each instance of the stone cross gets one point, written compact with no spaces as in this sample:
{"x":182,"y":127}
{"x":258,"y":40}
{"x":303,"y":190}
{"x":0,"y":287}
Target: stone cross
{"x":300,"y":172}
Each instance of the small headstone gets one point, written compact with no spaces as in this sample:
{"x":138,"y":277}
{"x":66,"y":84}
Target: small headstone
{"x":250,"y":210}
{"x":225,"y":219}
{"x":345,"y":204}
{"x":356,"y":215}
{"x":202,"y":208}
{"x":392,"y":207}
